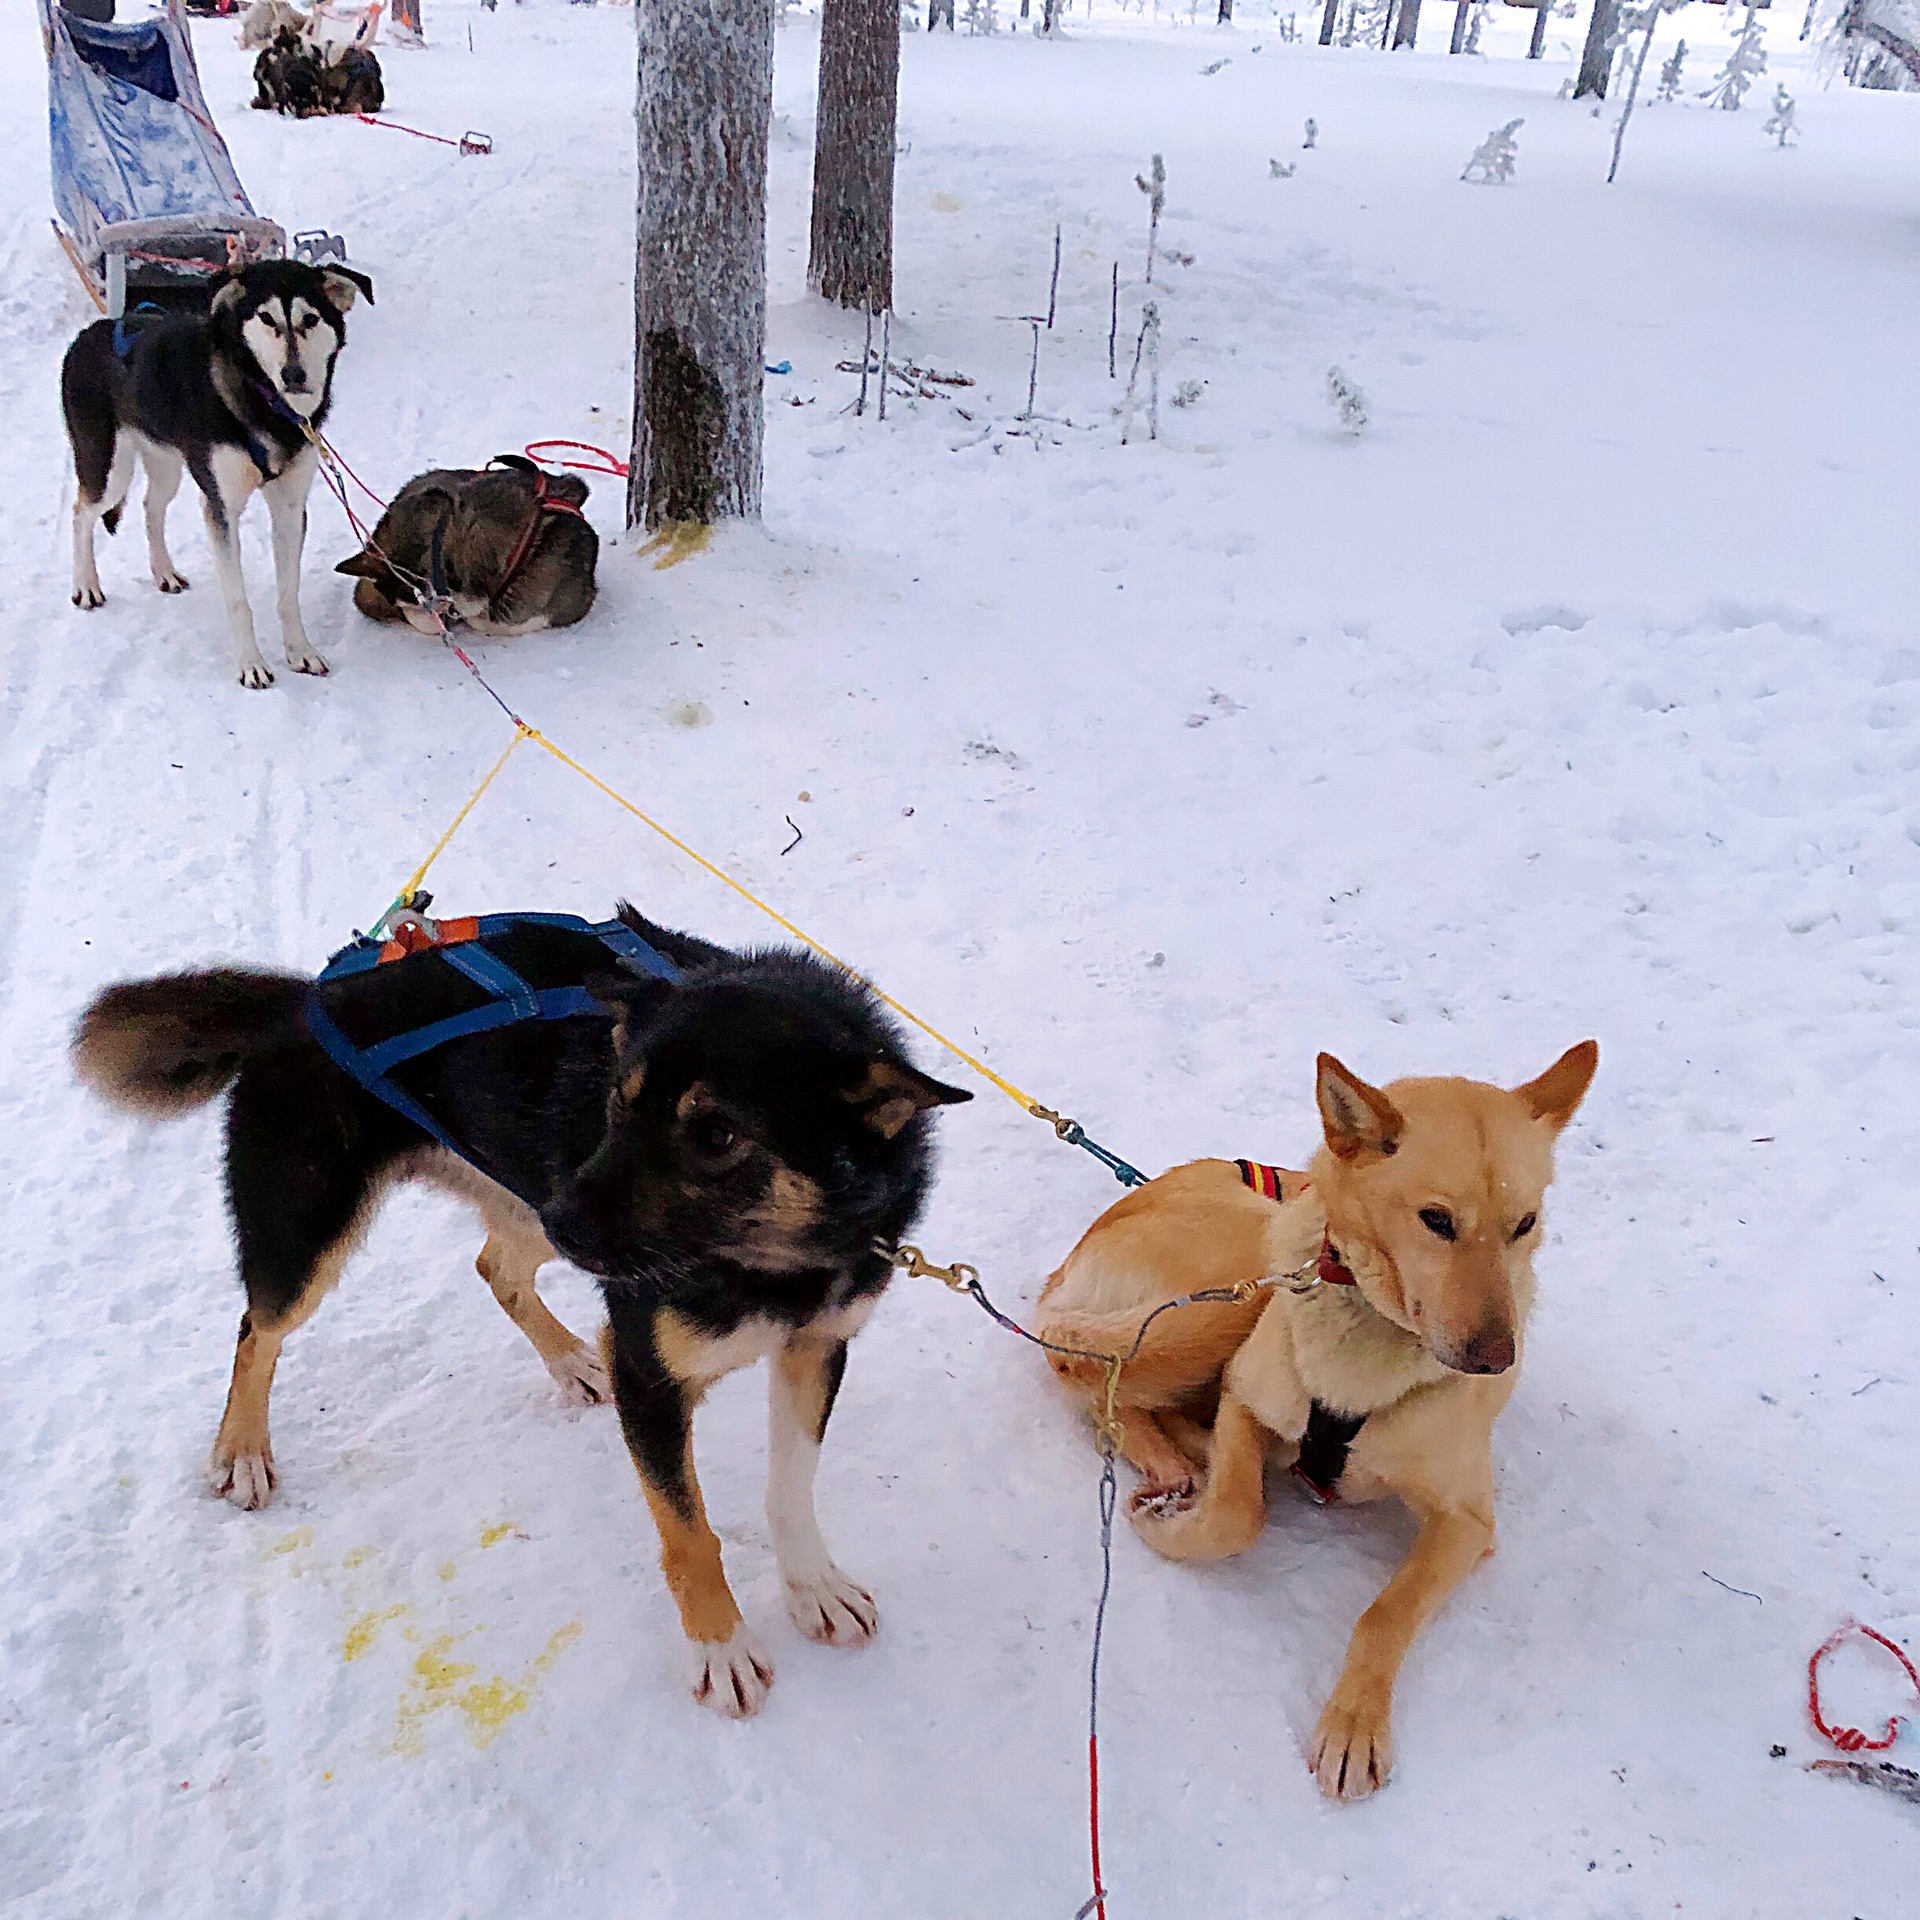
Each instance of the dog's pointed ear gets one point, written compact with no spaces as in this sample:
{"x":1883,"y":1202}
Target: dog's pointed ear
{"x":343,"y":284}
{"x":1357,"y":1118}
{"x":630,"y":999}
{"x":515,"y":463}
{"x":1555,"y":1097}
{"x":364,"y":565}
{"x":228,"y":296}
{"x":891,"y":1092}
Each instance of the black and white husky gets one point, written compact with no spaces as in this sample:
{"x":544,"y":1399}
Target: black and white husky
{"x":229,"y":398}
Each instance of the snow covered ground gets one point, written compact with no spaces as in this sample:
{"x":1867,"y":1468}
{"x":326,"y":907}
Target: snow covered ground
{"x":1579,"y":694}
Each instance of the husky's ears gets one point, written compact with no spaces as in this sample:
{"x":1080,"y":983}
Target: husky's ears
{"x":342,"y":284}
{"x":1357,"y":1118}
{"x":1555,"y":1097}
{"x":232,"y":289}
{"x":893,"y":1092}
{"x":365,"y":565}
{"x":630,"y":999}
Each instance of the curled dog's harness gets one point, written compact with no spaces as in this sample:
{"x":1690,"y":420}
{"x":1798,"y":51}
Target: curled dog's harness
{"x":1329,"y":1435}
{"x":510,"y":999}
{"x":545,"y":501}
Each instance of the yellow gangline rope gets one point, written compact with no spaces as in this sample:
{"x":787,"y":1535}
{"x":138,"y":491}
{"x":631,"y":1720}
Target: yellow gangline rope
{"x":1024,"y":1101}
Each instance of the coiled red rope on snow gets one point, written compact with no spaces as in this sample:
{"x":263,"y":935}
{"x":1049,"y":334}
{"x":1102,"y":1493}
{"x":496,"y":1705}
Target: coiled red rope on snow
{"x":1851,"y":1739}
{"x":607,"y":462}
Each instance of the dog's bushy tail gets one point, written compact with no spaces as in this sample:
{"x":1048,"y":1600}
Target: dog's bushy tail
{"x":162,"y":1047}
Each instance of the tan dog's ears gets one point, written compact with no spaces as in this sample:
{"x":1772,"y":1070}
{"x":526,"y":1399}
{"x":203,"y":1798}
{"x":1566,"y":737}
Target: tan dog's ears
{"x":343,"y":285}
{"x":893,"y":1092}
{"x":1358,"y":1118}
{"x":1555,"y":1097}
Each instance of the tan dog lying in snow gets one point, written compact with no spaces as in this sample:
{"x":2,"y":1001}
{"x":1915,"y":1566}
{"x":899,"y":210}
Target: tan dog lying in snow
{"x":1396,"y":1277}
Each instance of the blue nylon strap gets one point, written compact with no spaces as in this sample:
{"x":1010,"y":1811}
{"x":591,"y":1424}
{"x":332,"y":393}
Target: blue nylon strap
{"x":511,"y":1001}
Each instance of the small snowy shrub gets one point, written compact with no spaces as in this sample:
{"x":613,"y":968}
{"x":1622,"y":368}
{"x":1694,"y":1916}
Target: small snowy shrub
{"x":1313,"y":135}
{"x":1347,"y":400}
{"x":1493,"y":158}
{"x":1745,"y":64}
{"x":1670,"y":73}
{"x":1781,"y":125}
{"x":1276,"y":171}
{"x":1187,"y":392}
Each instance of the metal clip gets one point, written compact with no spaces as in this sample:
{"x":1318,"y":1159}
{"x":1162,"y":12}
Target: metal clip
{"x":1302,"y":1279}
{"x":911,"y":1261}
{"x":1068,"y":1130}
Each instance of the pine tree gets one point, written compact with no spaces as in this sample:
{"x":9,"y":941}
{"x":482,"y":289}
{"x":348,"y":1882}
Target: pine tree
{"x":700,"y":271}
{"x":1493,"y":159}
{"x":851,"y":257}
{"x":1670,"y":73}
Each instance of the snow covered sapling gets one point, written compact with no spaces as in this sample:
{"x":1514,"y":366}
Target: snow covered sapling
{"x":1154,"y":186}
{"x":1781,"y":126}
{"x":1493,"y":158}
{"x":1146,"y":348}
{"x":1277,"y":170}
{"x":1188,"y":392}
{"x":1476,"y":26}
{"x":1650,"y":19}
{"x":1347,"y":400}
{"x":1670,"y":74}
{"x":1313,"y":135}
{"x":1745,"y":64}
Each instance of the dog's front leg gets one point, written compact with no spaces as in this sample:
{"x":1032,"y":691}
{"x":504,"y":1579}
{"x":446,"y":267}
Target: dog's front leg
{"x":287,"y":504}
{"x":730,"y":1673}
{"x":223,"y":492}
{"x":1352,"y":1749}
{"x":822,"y":1602}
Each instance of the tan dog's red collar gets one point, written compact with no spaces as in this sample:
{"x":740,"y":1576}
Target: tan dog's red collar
{"x":1265,"y":1181}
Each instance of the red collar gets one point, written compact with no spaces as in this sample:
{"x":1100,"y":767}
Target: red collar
{"x":1334,"y":1272}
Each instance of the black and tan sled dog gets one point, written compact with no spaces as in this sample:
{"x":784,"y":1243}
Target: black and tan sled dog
{"x":724,"y":1152}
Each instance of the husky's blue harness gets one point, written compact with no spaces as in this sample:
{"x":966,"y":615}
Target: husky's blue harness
{"x":510,"y":1000}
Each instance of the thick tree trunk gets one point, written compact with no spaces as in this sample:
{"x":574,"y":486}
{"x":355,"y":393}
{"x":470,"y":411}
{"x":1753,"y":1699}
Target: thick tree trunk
{"x":1407,"y":24}
{"x":1049,"y":15}
{"x":851,"y":259}
{"x":939,"y":11}
{"x":1461,"y":9}
{"x":1328,"y":21}
{"x":700,"y":270}
{"x":1539,"y":39}
{"x":1226,"y":14}
{"x":1596,"y":60}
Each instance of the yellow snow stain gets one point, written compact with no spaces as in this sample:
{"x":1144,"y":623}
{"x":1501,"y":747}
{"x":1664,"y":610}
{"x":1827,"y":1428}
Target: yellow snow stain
{"x":358,"y":1557}
{"x":289,"y":1543}
{"x":363,"y":1633}
{"x":446,"y":1570}
{"x":500,"y":1530}
{"x":676,"y":541}
{"x":486,"y":1706}
{"x":945,"y":203}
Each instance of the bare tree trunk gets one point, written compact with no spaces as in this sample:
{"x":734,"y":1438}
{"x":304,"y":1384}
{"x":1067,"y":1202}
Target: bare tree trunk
{"x":405,"y":14}
{"x":700,"y":269}
{"x":1596,"y":58}
{"x":1328,"y":21}
{"x":1539,"y":39}
{"x":851,"y":259}
{"x":937,"y":11}
{"x":1226,"y":14}
{"x":1407,"y":25}
{"x":1049,"y":15}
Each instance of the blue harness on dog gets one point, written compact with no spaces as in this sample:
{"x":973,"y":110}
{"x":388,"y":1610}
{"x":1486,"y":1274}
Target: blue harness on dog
{"x":460,"y":944}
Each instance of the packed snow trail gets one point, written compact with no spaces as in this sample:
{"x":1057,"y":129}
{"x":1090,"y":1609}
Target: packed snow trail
{"x":1577,"y":694}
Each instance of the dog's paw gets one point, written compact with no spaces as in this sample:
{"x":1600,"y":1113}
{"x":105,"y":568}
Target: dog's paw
{"x":255,"y":673}
{"x":87,"y":598}
{"x":247,"y":1479}
{"x":172,"y":581}
{"x":832,"y":1609}
{"x":1352,"y":1751}
{"x":731,"y":1676}
{"x":581,"y":1376}
{"x":305,"y":660}
{"x":1161,"y":1499}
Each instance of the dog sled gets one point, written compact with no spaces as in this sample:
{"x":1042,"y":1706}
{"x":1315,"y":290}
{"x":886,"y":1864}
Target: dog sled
{"x":147,"y":199}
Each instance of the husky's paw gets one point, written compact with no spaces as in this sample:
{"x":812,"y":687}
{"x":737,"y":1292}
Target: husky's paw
{"x":171,"y":581}
{"x":832,"y":1609}
{"x":87,"y":598}
{"x":581,"y":1377}
{"x":731,"y":1676}
{"x":255,"y":673}
{"x":1352,"y":1751}
{"x":247,"y":1479}
{"x":305,"y":660}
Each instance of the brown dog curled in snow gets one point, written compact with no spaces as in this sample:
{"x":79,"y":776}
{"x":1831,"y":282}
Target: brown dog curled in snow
{"x":1390,"y":1287}
{"x":507,"y":543}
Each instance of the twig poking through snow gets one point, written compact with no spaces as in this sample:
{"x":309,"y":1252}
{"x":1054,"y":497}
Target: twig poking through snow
{"x":1741,"y":1591}
{"x":1113,"y":322}
{"x":798,"y":836}
{"x":1155,"y":188}
{"x":1313,"y":134}
{"x":1053,"y":286}
{"x":1348,"y":399}
{"x":1275,"y":171}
